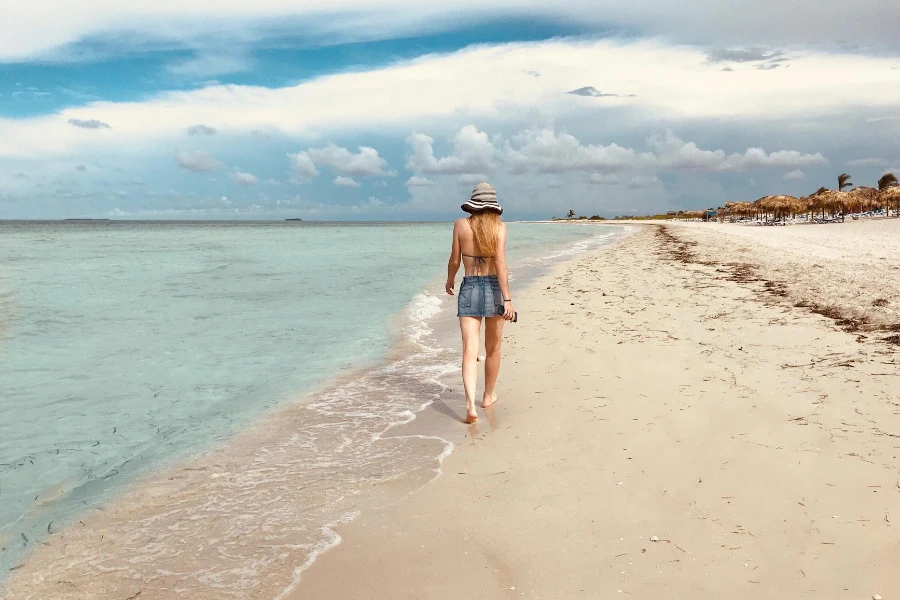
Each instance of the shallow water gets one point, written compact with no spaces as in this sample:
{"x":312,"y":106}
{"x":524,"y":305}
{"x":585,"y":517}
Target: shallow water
{"x":124,"y":345}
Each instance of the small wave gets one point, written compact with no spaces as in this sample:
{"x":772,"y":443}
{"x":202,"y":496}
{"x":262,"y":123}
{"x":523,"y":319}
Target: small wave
{"x":420,"y":312}
{"x":332,"y":540}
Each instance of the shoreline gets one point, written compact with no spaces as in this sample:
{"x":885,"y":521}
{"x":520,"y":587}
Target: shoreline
{"x":693,"y":433}
{"x":144,"y":499}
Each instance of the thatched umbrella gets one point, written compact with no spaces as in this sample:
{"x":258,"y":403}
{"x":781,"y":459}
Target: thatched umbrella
{"x":763,"y":205}
{"x":890,"y":196}
{"x":798,"y":205}
{"x":778,"y":205}
{"x":783,"y":205}
{"x":831,"y":200}
{"x":864,"y":197}
{"x":744,"y":209}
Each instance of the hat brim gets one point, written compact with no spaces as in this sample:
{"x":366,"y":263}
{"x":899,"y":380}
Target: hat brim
{"x":474,"y":211}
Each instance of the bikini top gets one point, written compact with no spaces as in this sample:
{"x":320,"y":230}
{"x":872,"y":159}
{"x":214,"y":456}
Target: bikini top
{"x":479,"y":260}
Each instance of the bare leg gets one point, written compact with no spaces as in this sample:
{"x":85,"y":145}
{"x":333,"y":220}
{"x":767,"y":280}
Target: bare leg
{"x":493,"y":334}
{"x":470,"y":327}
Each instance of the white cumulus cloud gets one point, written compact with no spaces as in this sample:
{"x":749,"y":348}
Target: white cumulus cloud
{"x":795,"y":175}
{"x":365,"y":163}
{"x":416,"y":181}
{"x":345,"y":181}
{"x":302,"y":165}
{"x":472,"y":152}
{"x":677,"y":154}
{"x":547,"y":151}
{"x":197,"y":161}
{"x":245,"y":178}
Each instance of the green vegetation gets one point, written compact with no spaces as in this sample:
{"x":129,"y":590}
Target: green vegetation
{"x":844,"y":181}
{"x":887,"y":180}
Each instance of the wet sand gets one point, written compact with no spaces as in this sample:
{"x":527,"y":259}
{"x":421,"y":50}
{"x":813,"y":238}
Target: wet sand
{"x":699,"y":411}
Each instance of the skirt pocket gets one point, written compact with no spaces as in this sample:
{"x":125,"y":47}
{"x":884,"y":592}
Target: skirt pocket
{"x":465,"y":296}
{"x":498,"y":300}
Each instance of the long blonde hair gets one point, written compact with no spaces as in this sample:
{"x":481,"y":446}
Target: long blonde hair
{"x":485,"y":228}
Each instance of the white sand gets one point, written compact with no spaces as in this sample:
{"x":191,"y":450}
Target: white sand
{"x":666,"y":429}
{"x":646,"y":399}
{"x":851,"y":267}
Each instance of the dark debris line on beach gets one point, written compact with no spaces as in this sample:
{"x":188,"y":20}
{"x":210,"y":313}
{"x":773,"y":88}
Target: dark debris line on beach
{"x":680,"y":250}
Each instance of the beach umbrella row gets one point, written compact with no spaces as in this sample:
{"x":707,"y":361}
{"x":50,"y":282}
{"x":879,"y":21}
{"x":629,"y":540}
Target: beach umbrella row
{"x":833,"y":201}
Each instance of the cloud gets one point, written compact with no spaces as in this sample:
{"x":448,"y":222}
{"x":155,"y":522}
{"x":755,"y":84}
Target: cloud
{"x":201,"y":130}
{"x":302,"y":165}
{"x":547,"y":151}
{"x":867,"y":162}
{"x":795,"y":175}
{"x":671,"y":83}
{"x":31,"y":31}
{"x":197,"y":161}
{"x":728,"y":69}
{"x":591,"y":92}
{"x":244,"y":178}
{"x":89,"y":124}
{"x":533,"y":73}
{"x":879,"y":119}
{"x":740,"y":56}
{"x":81,"y":168}
{"x":767,"y":67}
{"x":472,"y":152}
{"x":365,"y":163}
{"x":345,"y":182}
{"x":415,"y":181}
{"x":676,"y":154}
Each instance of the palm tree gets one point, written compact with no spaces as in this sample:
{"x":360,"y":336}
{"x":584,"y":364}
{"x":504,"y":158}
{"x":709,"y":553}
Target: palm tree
{"x":844,"y":181}
{"x":571,"y":214}
{"x":887,"y":180}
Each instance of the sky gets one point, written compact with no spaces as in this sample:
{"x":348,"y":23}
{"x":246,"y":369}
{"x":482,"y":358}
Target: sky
{"x":360,"y":110}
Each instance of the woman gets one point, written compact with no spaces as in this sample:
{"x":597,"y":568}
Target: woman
{"x":479,"y":244}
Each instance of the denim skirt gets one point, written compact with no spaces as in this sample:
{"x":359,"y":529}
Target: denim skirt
{"x":479,"y":296}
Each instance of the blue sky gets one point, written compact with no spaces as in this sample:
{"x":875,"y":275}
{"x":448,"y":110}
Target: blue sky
{"x":350,"y":110}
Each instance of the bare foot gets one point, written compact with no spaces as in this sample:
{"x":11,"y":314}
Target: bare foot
{"x":471,"y":417}
{"x":489,"y":400}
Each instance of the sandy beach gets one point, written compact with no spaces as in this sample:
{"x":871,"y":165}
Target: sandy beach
{"x":695,"y":411}
{"x":699,"y":411}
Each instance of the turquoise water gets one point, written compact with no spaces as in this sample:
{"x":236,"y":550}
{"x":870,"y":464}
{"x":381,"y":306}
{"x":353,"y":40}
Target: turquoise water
{"x":125,"y":344}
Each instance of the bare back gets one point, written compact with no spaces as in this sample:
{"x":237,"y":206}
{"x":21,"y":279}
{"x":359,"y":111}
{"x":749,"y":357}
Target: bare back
{"x":473,"y":261}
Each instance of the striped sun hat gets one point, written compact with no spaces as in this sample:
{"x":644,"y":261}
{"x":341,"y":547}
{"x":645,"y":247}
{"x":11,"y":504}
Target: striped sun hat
{"x":484,"y":197}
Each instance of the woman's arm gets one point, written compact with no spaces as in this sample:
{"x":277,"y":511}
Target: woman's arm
{"x":503,"y":273}
{"x":453,"y":263}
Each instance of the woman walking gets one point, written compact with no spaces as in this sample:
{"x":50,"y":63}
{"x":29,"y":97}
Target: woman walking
{"x":479,"y":244}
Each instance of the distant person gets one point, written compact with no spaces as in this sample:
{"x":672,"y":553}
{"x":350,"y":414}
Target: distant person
{"x":479,"y":244}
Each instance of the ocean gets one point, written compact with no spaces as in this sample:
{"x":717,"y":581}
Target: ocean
{"x":231,"y":384}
